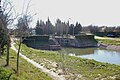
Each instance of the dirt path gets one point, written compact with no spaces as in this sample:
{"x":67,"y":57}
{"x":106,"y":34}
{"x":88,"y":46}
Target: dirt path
{"x":43,"y":69}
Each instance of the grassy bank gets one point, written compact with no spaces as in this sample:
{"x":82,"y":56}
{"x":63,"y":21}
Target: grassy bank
{"x":109,"y":41}
{"x":73,"y":68}
{"x":26,"y":70}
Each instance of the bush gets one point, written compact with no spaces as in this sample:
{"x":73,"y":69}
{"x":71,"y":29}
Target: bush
{"x":36,"y":40}
{"x":4,"y":74}
{"x":91,"y":37}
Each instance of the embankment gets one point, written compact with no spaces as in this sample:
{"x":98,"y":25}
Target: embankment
{"x":108,"y":46}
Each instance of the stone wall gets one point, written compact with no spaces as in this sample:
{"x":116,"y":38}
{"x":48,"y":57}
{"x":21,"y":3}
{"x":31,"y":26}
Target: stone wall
{"x":55,"y":43}
{"x":86,"y":41}
{"x":78,"y":41}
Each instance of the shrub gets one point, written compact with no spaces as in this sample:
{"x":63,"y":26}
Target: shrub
{"x":36,"y":40}
{"x":4,"y":74}
{"x":85,"y":37}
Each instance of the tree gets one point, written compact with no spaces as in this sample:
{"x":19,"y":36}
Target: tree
{"x":6,"y":19}
{"x":23,"y":26}
{"x":58,"y":26}
{"x":49,"y":27}
{"x":65,"y":28}
{"x":40,"y":27}
{"x":3,"y":40}
{"x":37,"y":27}
{"x":93,"y":29}
{"x":117,"y":29}
{"x":61,"y":27}
{"x":38,"y":23}
{"x":78,"y":28}
{"x":71,"y":29}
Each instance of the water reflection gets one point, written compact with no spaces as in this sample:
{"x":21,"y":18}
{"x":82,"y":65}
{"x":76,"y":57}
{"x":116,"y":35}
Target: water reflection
{"x":79,"y":51}
{"x":97,"y":54}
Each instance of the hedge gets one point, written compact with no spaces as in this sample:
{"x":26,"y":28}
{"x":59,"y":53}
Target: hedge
{"x":36,"y":40}
{"x":85,"y":37}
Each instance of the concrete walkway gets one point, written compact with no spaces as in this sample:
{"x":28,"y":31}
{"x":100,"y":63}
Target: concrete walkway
{"x":43,"y":69}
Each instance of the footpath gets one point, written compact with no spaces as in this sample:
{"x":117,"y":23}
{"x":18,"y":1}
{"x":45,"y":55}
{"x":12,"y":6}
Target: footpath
{"x":43,"y":69}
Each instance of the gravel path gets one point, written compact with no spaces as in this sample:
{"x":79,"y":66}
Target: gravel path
{"x":43,"y":69}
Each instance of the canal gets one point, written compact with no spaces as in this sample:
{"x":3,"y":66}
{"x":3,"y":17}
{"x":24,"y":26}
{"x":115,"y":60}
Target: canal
{"x":101,"y":55}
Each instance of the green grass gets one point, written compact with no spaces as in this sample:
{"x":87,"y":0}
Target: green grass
{"x":73,"y":66}
{"x":108,"y":41}
{"x":4,"y":74}
{"x":26,"y":70}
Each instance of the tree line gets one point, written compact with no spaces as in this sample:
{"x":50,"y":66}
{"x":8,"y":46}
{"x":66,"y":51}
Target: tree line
{"x":113,"y":31}
{"x":94,"y":29}
{"x":59,"y":28}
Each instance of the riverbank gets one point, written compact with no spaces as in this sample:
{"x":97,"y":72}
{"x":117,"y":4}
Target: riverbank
{"x":26,"y":70}
{"x":113,"y":47}
{"x":109,"y":44}
{"x":53,"y":75}
{"x":72,"y":68}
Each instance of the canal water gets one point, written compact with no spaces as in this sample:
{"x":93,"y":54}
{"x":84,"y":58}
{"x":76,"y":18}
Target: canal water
{"x":101,"y":55}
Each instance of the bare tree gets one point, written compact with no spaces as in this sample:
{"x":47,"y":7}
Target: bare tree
{"x":23,"y":26}
{"x":6,"y":19}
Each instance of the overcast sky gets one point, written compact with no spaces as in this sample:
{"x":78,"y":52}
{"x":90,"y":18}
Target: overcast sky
{"x":96,"y":12}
